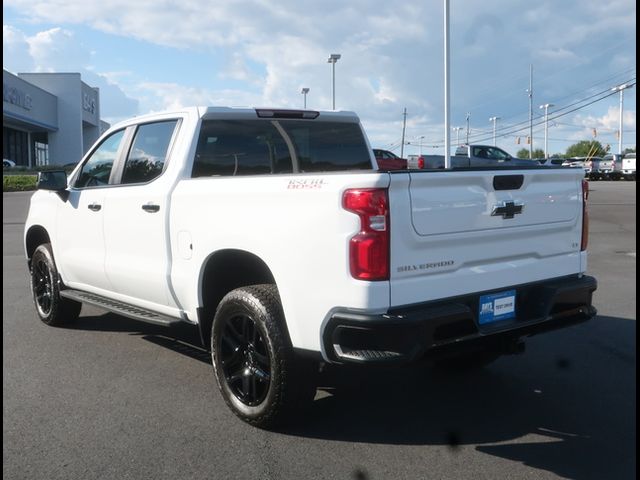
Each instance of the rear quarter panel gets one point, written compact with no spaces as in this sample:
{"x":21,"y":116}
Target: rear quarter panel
{"x":294,"y":223}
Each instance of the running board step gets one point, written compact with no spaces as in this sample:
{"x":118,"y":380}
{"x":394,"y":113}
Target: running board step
{"x":120,"y":308}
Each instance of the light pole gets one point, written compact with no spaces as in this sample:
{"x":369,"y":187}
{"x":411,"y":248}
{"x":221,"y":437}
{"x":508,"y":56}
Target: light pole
{"x":468,"y":117}
{"x":495,"y":121}
{"x":546,"y":127}
{"x":304,"y":92}
{"x":530,"y":93}
{"x":621,"y":89}
{"x":447,"y":140}
{"x":457,"y":130}
{"x":420,"y":138}
{"x":333,"y":58}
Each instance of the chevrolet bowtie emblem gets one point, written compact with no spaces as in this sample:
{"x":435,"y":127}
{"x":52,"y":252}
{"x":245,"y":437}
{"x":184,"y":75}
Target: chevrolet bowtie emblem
{"x":507,"y":209}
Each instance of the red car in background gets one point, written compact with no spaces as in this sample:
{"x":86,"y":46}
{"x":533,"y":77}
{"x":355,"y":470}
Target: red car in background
{"x":388,"y":160}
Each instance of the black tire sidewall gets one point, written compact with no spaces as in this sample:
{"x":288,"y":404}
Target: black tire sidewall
{"x":43,"y":253}
{"x":62,"y":310}
{"x":267,"y":320}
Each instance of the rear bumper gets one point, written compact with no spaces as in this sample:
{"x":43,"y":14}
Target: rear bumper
{"x":446,"y":327}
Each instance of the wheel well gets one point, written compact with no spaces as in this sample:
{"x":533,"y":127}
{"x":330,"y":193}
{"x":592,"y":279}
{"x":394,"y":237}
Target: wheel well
{"x":225,"y":271}
{"x":36,"y":236}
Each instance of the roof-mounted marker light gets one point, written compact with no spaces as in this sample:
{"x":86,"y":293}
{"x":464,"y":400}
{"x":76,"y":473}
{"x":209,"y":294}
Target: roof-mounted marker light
{"x":306,"y":114}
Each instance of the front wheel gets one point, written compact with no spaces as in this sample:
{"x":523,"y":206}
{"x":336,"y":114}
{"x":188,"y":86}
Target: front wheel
{"x":259,"y":377}
{"x":52,"y":309}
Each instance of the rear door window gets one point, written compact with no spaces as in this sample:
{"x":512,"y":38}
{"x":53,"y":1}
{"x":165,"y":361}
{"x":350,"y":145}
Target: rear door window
{"x":240,"y":147}
{"x":148,"y":152}
{"x":328,"y":146}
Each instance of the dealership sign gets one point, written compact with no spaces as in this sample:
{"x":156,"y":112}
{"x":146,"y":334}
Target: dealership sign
{"x":15,"y":96}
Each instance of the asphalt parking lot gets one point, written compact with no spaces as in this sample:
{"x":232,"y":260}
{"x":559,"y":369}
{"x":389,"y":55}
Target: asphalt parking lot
{"x":112,"y":398}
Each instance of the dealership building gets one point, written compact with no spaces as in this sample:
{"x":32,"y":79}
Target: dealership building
{"x":48,"y":118}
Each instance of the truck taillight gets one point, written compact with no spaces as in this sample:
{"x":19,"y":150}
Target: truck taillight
{"x":585,"y":216}
{"x":420,"y":162}
{"x":369,"y":248}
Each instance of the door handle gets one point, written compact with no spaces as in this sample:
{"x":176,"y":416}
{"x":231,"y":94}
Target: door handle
{"x":94,"y":207}
{"x":151,"y":208}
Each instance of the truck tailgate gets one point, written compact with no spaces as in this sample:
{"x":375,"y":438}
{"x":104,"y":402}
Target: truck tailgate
{"x":460,"y":232}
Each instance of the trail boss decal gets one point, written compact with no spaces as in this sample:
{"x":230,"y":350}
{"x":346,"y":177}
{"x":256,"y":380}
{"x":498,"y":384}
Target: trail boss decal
{"x":306,"y":184}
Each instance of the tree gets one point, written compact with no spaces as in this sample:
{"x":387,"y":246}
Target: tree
{"x":630,"y":150}
{"x":586,"y":148}
{"x":524,"y":153}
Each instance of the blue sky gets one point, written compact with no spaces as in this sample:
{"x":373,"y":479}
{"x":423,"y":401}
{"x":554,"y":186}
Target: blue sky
{"x":153,"y":55}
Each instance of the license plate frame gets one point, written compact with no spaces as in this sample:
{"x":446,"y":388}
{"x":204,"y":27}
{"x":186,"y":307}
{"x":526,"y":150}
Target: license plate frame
{"x":495,"y":307}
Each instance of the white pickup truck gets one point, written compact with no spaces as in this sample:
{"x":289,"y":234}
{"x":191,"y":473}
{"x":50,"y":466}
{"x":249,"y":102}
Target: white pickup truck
{"x":468,"y":156}
{"x":271,"y":231}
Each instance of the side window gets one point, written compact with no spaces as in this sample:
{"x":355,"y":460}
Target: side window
{"x":239,"y":147}
{"x":328,"y":146}
{"x":97,"y":169}
{"x":148,"y":153}
{"x":497,"y":154}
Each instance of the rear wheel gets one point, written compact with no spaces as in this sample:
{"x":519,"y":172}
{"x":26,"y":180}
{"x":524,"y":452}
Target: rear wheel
{"x":45,"y":287}
{"x":260,"y":378}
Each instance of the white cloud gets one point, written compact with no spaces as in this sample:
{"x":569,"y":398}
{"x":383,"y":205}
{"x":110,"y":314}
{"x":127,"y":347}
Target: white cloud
{"x":172,"y":96}
{"x":391,"y":52}
{"x":610,"y":121}
{"x":57,"y":50}
{"x":15,"y":50}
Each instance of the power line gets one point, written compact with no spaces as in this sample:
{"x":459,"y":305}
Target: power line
{"x":556,"y":114}
{"x":608,"y":80}
{"x":607,"y":93}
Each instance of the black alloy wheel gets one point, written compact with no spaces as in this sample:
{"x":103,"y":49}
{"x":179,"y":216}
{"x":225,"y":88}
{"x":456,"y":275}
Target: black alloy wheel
{"x":245,"y":360}
{"x":261,"y":379}
{"x":42,"y":282}
{"x":52,"y":309}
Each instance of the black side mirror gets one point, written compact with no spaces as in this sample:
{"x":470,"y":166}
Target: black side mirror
{"x":55,"y":180}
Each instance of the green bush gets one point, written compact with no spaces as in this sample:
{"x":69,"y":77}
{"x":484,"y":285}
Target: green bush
{"x":22,"y":170}
{"x":18,"y":183}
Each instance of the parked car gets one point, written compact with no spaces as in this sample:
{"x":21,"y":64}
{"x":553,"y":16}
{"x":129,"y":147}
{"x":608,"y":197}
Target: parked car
{"x":616,"y":163}
{"x":629,"y":166}
{"x":550,"y":162}
{"x":601,"y":168}
{"x":387,"y":160}
{"x":579,"y":162}
{"x":469,"y":156}
{"x":6,"y":163}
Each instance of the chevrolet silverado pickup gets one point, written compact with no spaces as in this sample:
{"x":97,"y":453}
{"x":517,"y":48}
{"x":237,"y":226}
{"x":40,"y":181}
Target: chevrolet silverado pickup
{"x":274,"y":234}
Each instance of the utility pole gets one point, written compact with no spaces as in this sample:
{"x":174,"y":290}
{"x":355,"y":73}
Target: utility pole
{"x":447,"y":132}
{"x":404,"y":127}
{"x":530,"y":92}
{"x":546,"y":127}
{"x":468,"y":117}
{"x":621,"y":89}
{"x":495,"y":121}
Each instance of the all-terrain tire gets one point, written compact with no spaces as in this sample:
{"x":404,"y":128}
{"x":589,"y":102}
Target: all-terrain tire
{"x":52,"y":309}
{"x":260,"y":378}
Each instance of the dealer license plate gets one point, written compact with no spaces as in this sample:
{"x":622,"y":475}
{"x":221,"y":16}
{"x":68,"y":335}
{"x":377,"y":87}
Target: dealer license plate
{"x":497,"y":306}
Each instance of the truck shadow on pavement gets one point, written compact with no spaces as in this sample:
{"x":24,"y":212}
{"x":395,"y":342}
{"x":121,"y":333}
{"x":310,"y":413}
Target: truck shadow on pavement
{"x":566,"y":406}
